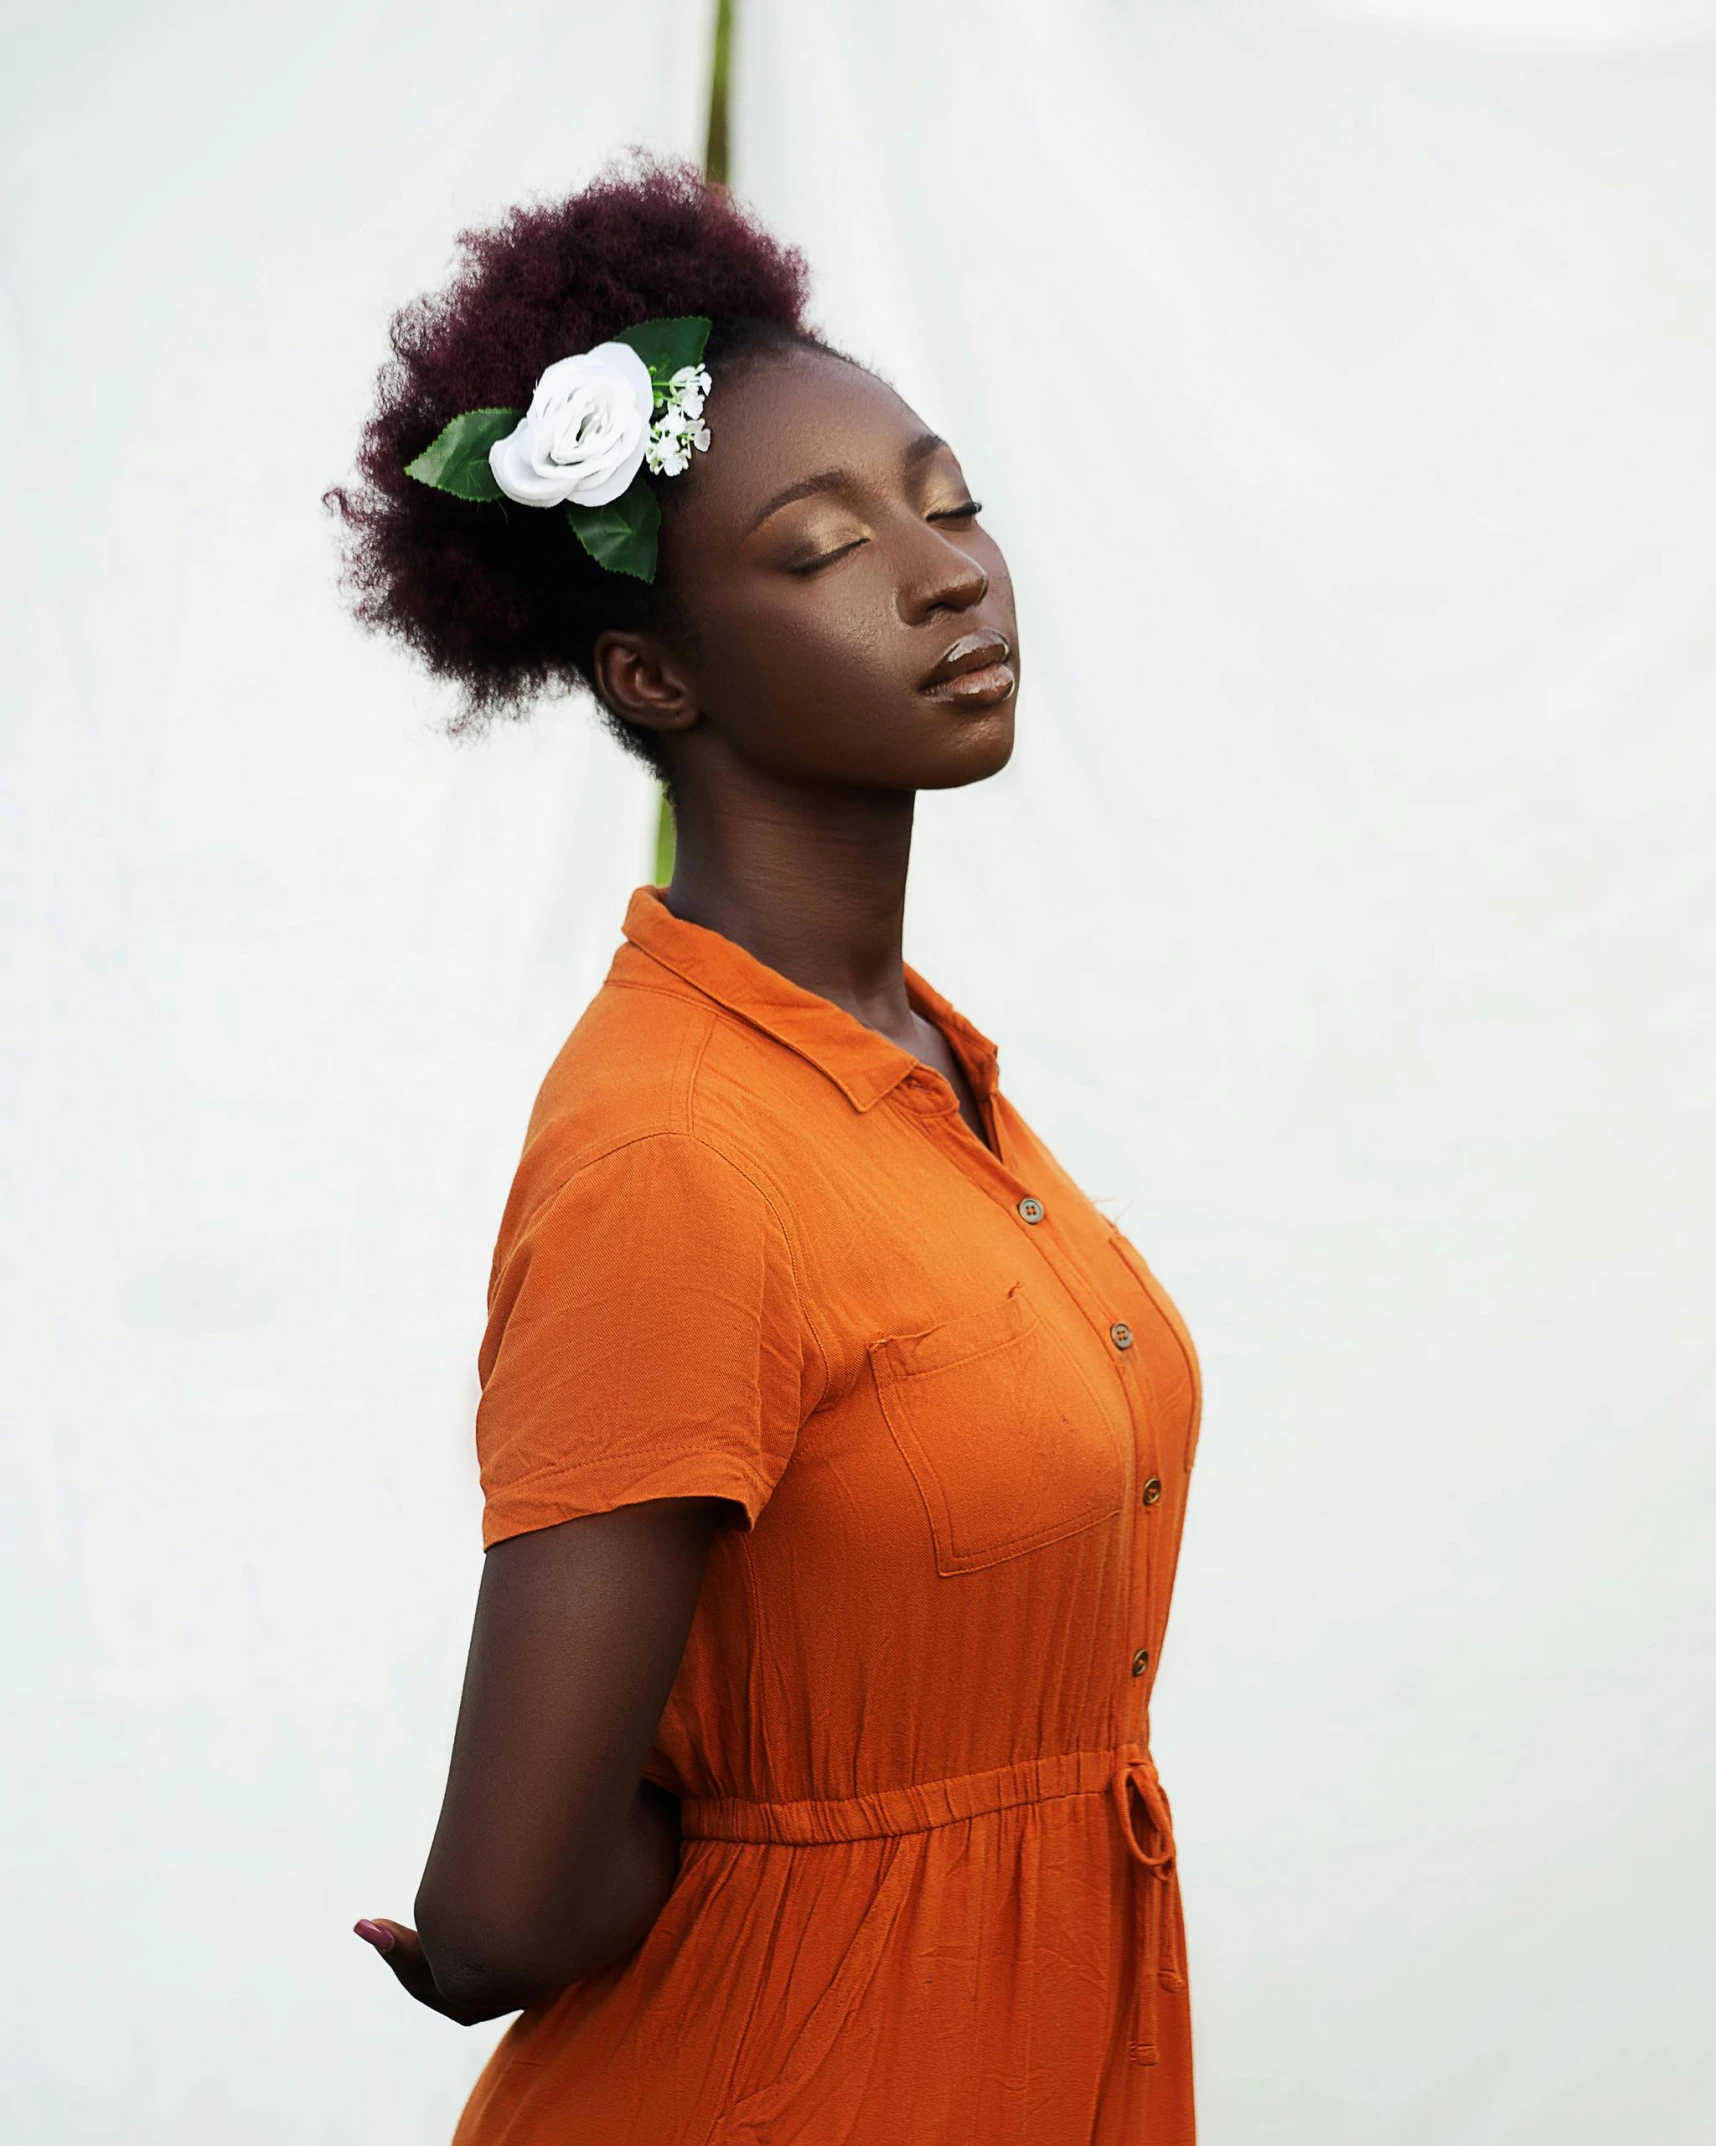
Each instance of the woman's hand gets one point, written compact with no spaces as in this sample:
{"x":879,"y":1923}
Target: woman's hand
{"x":399,"y":1947}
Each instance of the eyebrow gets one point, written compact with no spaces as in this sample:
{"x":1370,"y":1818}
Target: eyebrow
{"x":832,"y":480}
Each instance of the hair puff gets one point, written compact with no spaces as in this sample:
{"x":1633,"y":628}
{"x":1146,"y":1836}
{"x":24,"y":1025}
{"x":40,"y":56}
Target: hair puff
{"x":507,"y":606}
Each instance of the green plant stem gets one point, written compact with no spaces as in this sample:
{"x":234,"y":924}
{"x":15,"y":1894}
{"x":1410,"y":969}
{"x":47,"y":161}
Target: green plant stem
{"x":715,"y":169}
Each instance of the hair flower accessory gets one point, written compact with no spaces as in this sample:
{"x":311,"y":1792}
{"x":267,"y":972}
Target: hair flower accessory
{"x":680,"y":427}
{"x":585,"y":433}
{"x":596,"y":421}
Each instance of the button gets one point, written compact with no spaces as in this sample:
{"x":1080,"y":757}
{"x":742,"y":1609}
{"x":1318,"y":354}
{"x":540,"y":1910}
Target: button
{"x":1140,"y":1661}
{"x":1152,"y":1490}
{"x":1030,"y":1210}
{"x":1120,"y":1334}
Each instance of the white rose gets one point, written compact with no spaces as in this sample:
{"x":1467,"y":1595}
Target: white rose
{"x":584,"y":435}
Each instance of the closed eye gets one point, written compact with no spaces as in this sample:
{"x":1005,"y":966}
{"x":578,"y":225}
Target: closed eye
{"x":827,"y":558}
{"x":969,"y":512}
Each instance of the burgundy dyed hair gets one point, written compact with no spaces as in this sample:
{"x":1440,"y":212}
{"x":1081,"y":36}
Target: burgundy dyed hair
{"x":505,"y":603}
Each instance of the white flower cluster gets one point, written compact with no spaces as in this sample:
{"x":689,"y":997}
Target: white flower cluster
{"x":680,"y":426}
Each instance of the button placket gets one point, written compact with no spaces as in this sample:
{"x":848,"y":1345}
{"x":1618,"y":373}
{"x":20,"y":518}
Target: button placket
{"x":1139,"y":1399}
{"x":1140,"y":1409}
{"x":1140,"y":1403}
{"x":1119,"y":1340}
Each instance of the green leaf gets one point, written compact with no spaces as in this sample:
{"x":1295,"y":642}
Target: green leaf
{"x":621,"y":536}
{"x":457,"y":459}
{"x":666,"y":345}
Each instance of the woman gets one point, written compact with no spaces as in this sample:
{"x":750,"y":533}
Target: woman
{"x":834,"y":1447}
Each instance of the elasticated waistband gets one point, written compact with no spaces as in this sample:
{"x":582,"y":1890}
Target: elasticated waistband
{"x":914,"y":1808}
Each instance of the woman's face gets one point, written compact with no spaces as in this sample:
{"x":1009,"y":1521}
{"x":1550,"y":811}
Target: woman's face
{"x":847,"y":617}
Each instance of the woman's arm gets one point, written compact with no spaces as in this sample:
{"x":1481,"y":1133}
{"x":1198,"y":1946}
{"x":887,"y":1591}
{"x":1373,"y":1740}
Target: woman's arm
{"x":553,"y":1856}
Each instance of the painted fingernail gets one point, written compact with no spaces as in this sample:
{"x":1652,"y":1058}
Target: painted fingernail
{"x":375,"y":1933}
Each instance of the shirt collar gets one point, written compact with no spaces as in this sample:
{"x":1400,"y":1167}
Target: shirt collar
{"x":862,"y":1064}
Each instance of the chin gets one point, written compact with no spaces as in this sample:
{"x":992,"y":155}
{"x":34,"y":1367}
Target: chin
{"x":981,"y":748}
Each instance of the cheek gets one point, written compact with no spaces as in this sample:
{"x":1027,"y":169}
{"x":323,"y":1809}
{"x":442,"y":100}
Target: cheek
{"x":794,"y":669}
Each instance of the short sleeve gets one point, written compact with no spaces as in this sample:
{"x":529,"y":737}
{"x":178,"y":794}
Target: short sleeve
{"x":644,"y":1341}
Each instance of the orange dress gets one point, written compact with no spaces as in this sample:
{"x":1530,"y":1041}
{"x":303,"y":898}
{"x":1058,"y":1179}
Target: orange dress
{"x":927,"y":1894}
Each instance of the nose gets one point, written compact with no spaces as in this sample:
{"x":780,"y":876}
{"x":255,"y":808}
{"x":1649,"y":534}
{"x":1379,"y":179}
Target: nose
{"x":938,"y":576}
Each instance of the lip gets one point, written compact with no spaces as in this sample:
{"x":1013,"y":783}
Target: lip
{"x":976,"y":671}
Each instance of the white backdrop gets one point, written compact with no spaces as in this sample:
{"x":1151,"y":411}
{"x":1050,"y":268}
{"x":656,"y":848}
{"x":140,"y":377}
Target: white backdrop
{"x":1341,"y":390}
{"x":1344,"y":919}
{"x":283,"y":970}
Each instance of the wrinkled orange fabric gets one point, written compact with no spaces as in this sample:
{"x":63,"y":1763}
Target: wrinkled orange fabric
{"x":927,"y":1894}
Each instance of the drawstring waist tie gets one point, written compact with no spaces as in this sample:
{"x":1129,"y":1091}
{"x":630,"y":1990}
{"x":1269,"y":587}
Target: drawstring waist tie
{"x":1127,"y":1774}
{"x":1138,"y":1791}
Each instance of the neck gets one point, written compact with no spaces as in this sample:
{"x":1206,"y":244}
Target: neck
{"x":811,"y":879}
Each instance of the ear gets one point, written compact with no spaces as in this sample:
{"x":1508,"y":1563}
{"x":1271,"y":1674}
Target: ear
{"x":642,"y":683}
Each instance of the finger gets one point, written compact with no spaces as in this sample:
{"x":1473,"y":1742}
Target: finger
{"x":399,"y":1946}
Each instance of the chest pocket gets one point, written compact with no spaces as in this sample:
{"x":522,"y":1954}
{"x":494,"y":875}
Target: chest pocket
{"x":1010,"y":1444}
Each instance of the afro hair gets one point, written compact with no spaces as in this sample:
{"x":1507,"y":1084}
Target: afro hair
{"x":502,"y":605}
